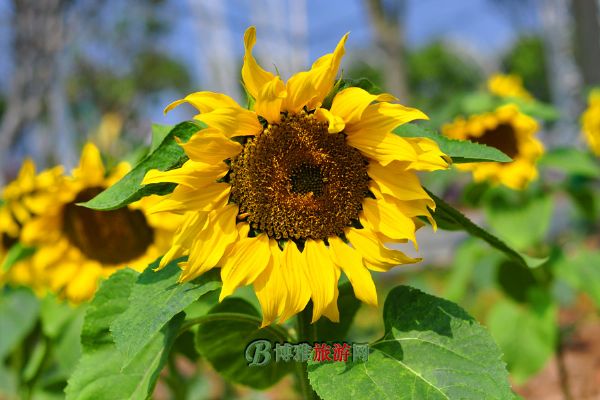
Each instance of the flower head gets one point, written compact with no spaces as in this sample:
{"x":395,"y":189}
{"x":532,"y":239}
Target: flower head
{"x":77,"y":246}
{"x":591,"y":122}
{"x":511,"y":132}
{"x":290,"y":194}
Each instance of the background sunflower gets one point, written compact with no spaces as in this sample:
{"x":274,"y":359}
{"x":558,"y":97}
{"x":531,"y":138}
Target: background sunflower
{"x":77,"y":246}
{"x":508,"y":130}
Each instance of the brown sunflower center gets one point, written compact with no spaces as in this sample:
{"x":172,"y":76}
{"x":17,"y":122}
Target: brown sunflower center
{"x":503,"y":137}
{"x":110,"y":237}
{"x":297,"y":181}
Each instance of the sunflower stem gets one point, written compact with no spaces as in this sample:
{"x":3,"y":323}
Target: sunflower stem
{"x":306,"y":333}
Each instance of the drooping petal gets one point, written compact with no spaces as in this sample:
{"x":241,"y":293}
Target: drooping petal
{"x":403,"y":185}
{"x":385,"y":217}
{"x":331,"y":310}
{"x":210,"y":146}
{"x":269,"y":99}
{"x":246,"y":260}
{"x":321,"y":275}
{"x":205,"y":102}
{"x":193,"y":224}
{"x":429,"y":155}
{"x":383,"y":117}
{"x":375,"y":255}
{"x":350,"y":103}
{"x":384,"y":147}
{"x":350,"y":261}
{"x":270,"y":287}
{"x":216,"y":235}
{"x":231,"y":121}
{"x":293,"y":269}
{"x":253,"y":75}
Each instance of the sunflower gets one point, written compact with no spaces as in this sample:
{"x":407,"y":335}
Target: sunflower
{"x":77,"y":246}
{"x":28,"y":195}
{"x":289,"y":194}
{"x":511,"y":132}
{"x":508,"y":86}
{"x":591,"y":122}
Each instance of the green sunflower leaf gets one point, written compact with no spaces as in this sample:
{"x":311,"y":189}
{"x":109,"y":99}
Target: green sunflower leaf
{"x":508,"y":320}
{"x":447,"y":215}
{"x":19,"y":310}
{"x":102,"y":373}
{"x":155,"y":298}
{"x":223,"y":336}
{"x":167,"y":155}
{"x":461,"y":151}
{"x":432,"y":349}
{"x":159,"y":133}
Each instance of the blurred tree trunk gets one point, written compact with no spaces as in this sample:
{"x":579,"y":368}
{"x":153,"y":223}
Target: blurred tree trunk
{"x":37,"y":39}
{"x":586,"y":17}
{"x":564,"y":77}
{"x":389,"y":35}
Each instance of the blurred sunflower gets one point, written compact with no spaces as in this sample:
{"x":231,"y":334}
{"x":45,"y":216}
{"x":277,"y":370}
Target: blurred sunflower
{"x":291,"y":193}
{"x":28,"y":195}
{"x":77,"y":246}
{"x":511,"y":132}
{"x":591,"y":122}
{"x":508,"y":86}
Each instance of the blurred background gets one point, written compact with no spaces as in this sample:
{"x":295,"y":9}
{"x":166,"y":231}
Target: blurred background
{"x":75,"y":70}
{"x":79,"y":70}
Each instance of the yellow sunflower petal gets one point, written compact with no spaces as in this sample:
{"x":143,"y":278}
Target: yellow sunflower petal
{"x":384,"y":216}
{"x":210,"y":146}
{"x":403,"y":185}
{"x":184,"y":198}
{"x":321,"y":275}
{"x":205,"y":101}
{"x":350,"y":104}
{"x":192,"y":174}
{"x":382,"y":146}
{"x":383,"y":117}
{"x":253,"y":75}
{"x":246,"y":260}
{"x":293,"y":269}
{"x":336,"y":124}
{"x":217,"y":234}
{"x":183,"y":238}
{"x":331,"y":311}
{"x":91,"y":168}
{"x":375,"y":255}
{"x":309,"y":88}
{"x":270,"y":287}
{"x":269,"y":99}
{"x":350,"y":261}
{"x":231,"y":121}
{"x":325,"y":70}
{"x":83,"y":286}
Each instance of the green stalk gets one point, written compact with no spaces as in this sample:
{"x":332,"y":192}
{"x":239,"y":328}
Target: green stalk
{"x":307,"y":332}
